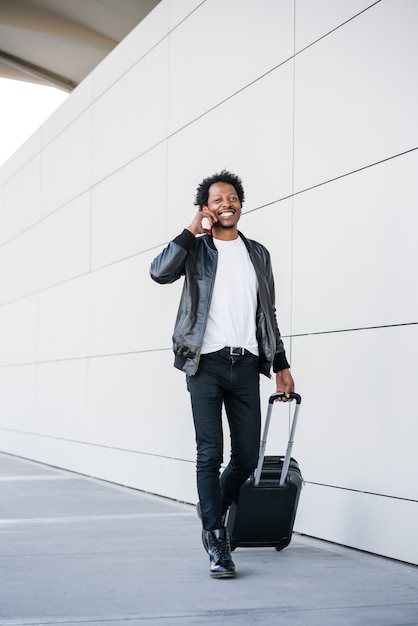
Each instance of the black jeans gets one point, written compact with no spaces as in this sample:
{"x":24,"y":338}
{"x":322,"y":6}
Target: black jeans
{"x":234,"y":382}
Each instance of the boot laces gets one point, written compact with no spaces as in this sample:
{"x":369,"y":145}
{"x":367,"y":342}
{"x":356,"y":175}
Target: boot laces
{"x":221,"y":549}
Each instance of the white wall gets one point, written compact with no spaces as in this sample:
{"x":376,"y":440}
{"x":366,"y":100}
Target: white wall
{"x":314,"y":104}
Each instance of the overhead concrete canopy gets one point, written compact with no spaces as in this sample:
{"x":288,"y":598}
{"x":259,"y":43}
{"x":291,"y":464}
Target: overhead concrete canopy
{"x":59,"y":42}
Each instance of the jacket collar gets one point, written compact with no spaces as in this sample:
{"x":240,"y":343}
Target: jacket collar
{"x":209,"y":241}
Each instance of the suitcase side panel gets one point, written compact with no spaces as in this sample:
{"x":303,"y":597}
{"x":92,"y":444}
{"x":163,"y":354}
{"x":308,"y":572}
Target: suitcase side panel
{"x":264,"y":515}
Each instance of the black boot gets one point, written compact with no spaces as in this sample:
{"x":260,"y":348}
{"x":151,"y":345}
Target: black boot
{"x":199,"y":515}
{"x":219,"y":550}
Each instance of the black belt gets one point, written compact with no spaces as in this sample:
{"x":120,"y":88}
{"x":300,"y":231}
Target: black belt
{"x":235,"y":351}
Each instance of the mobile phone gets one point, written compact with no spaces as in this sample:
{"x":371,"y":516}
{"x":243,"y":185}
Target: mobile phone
{"x":207,"y":224}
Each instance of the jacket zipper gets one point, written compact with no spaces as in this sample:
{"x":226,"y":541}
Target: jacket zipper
{"x":207,"y":309}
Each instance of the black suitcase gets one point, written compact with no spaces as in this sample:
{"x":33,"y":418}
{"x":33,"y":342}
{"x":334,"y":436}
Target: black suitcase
{"x":264,"y":511}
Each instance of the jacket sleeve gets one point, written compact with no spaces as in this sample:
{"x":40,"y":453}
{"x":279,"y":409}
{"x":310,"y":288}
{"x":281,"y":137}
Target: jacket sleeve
{"x":168,"y":266}
{"x":280,"y":361}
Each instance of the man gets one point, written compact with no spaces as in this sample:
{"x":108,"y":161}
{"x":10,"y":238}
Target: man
{"x":225,"y":335}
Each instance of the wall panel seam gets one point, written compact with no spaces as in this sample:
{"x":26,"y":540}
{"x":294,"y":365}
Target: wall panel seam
{"x":109,"y":355}
{"x":160,"y":245}
{"x":369,"y":493}
{"x":93,"y":444}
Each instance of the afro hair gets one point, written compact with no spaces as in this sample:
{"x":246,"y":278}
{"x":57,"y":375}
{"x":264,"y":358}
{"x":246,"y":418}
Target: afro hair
{"x":202,"y":191}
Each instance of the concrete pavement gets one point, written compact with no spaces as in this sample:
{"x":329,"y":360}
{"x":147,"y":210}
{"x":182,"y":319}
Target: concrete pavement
{"x":76,"y":550}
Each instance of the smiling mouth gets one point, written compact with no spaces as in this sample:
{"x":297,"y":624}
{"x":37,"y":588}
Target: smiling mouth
{"x":226,"y":213}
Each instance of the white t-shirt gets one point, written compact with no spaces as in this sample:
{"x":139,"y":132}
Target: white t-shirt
{"x":232,"y":313}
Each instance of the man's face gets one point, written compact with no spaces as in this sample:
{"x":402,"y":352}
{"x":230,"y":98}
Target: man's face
{"x":223,"y":200}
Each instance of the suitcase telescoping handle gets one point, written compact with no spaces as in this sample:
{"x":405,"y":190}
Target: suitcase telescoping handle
{"x":263,"y":442}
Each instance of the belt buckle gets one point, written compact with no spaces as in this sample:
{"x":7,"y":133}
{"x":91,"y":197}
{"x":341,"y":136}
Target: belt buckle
{"x":234,"y":351}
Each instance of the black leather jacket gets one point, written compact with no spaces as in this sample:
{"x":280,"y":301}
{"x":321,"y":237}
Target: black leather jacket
{"x":196,"y":259}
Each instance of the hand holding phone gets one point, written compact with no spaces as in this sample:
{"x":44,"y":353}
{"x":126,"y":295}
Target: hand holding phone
{"x":207,"y":225}
{"x":202,"y":222}
{"x":207,"y":222}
